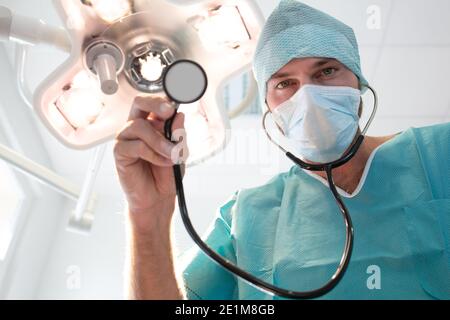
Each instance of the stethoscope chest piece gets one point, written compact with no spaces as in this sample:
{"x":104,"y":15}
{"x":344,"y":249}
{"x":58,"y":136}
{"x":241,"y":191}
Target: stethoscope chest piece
{"x":185,"y":82}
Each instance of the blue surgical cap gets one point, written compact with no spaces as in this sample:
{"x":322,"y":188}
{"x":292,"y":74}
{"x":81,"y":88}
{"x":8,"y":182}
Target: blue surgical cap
{"x":295,"y":30}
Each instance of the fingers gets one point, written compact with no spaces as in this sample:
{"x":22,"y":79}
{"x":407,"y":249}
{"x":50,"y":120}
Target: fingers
{"x":159,"y":108}
{"x":141,"y":129}
{"x":178,"y":123}
{"x":137,"y":149}
{"x":146,"y":124}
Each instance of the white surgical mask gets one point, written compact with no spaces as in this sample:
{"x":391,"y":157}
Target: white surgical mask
{"x":320,"y":122}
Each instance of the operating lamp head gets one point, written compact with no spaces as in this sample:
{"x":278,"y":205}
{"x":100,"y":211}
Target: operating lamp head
{"x":125,"y":48}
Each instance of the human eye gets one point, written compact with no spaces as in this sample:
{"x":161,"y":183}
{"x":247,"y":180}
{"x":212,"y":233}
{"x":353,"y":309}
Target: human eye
{"x":283,"y":84}
{"x":328,"y":72}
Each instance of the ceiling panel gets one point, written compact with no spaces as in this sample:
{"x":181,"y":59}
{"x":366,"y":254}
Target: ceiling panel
{"x":413,"y":82}
{"x":419,"y":22}
{"x":352,"y":12}
{"x":355,"y":14}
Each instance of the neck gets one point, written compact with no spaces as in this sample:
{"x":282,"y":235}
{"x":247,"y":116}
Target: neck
{"x":347,"y":176}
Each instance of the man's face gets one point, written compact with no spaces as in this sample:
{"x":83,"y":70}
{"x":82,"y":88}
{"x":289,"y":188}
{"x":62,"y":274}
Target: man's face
{"x":298,"y":72}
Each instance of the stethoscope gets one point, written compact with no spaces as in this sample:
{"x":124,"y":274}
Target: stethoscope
{"x":185,"y":82}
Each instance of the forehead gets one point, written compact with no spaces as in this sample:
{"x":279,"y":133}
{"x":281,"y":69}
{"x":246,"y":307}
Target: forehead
{"x":301,"y":64}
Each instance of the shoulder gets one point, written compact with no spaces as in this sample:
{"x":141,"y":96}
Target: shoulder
{"x":433,"y":147}
{"x":434,"y":139}
{"x":433,"y":143}
{"x":435,"y":134}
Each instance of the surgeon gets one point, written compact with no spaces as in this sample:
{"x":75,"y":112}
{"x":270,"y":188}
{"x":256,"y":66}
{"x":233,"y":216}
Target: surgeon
{"x":289,"y":232}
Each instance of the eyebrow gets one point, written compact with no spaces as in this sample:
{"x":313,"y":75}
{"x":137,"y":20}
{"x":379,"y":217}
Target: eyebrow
{"x":317,"y":64}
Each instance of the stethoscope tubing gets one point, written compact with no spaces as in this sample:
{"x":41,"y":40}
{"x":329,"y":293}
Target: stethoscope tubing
{"x":249,"y":278}
{"x":244,"y":275}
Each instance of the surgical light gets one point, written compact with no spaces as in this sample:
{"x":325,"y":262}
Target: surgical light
{"x":111,"y":10}
{"x":124,"y":47}
{"x":222,"y":27}
{"x":151,"y":67}
{"x":80,"y":106}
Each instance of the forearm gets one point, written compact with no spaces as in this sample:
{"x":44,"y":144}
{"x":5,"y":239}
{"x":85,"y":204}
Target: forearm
{"x":152,"y":272}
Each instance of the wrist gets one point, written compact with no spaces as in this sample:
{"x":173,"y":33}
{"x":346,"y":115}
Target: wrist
{"x":151,"y":221}
{"x":151,"y":239}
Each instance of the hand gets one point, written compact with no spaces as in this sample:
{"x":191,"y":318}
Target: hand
{"x":144,"y":160}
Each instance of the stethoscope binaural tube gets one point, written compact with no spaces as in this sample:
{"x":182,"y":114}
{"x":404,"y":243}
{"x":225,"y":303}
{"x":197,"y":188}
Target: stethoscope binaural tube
{"x":244,"y":275}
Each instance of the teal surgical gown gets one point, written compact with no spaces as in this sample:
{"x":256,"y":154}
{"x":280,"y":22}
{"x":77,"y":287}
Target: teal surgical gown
{"x":289,"y":232}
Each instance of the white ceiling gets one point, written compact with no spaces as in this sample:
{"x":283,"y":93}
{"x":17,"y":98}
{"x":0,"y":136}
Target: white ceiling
{"x":407,"y":62}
